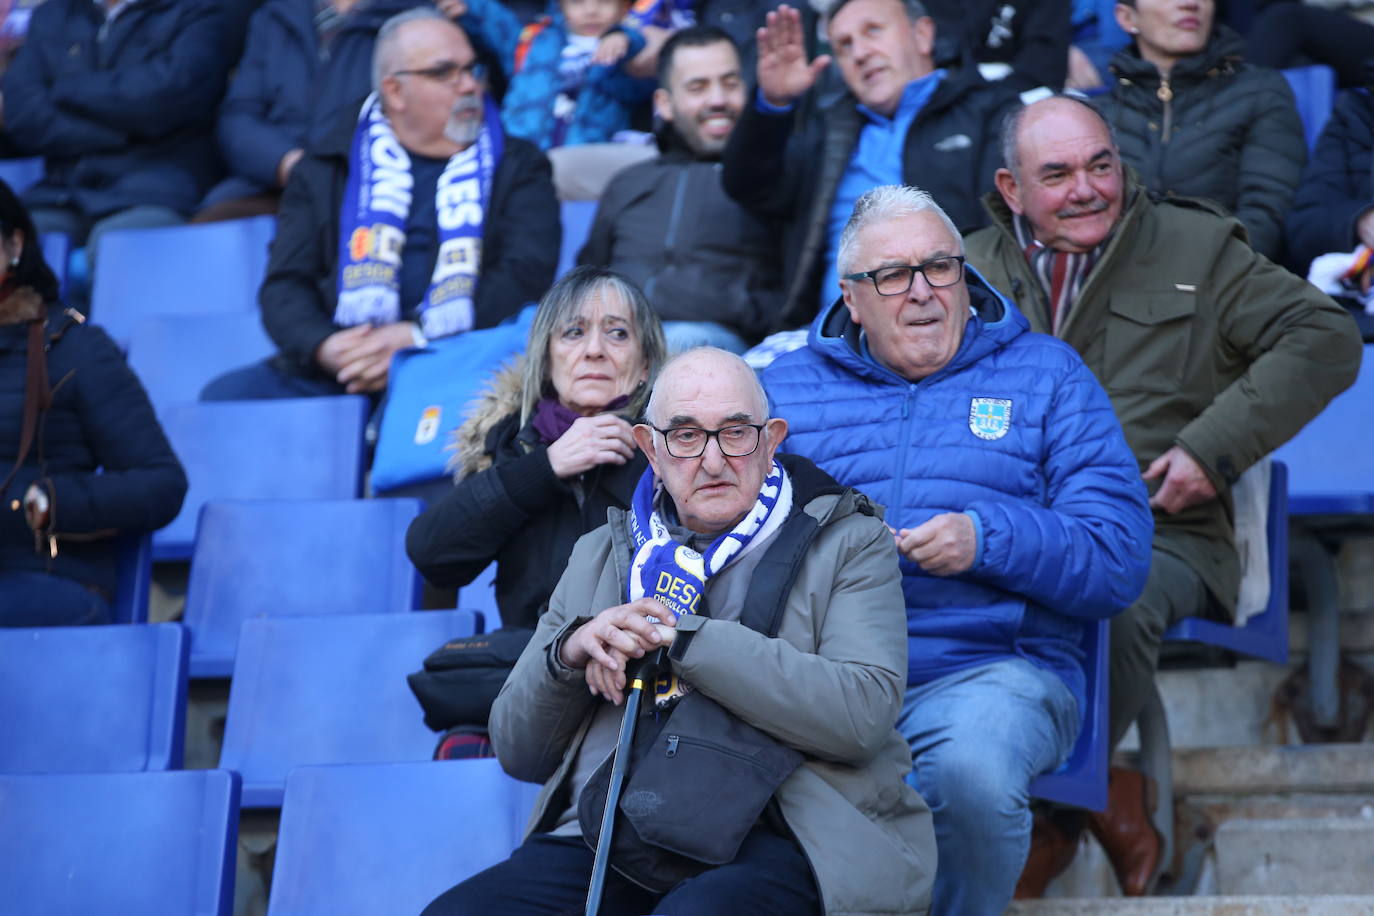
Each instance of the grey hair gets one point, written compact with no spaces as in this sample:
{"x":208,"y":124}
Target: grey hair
{"x":884,"y":202}
{"x":1011,"y":129}
{"x":384,"y":50}
{"x":558,"y":306}
{"x":915,"y":9}
{"x":651,"y":413}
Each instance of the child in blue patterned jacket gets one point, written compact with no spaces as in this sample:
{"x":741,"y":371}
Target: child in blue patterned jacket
{"x":567,"y":82}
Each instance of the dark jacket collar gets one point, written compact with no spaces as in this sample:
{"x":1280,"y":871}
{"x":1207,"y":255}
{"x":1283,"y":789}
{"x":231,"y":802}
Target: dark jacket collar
{"x":1222,"y":55}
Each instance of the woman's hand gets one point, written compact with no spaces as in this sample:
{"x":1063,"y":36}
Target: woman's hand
{"x":590,"y":441}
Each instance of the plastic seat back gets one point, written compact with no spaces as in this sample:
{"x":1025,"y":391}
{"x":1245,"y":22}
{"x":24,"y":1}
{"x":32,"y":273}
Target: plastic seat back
{"x":21,"y":174}
{"x":135,"y":567}
{"x":175,"y":356}
{"x":577,"y":217}
{"x":479,"y":595}
{"x":1082,"y":780}
{"x":389,"y":838}
{"x":155,"y":844}
{"x":329,"y":690}
{"x":180,"y":270}
{"x":278,"y":558}
{"x":298,"y":448}
{"x":92,"y":699}
{"x":1314,"y":88}
{"x":1326,"y":475}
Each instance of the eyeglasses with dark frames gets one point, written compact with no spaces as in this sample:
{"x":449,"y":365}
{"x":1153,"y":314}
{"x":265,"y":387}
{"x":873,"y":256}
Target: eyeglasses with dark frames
{"x":895,"y":281}
{"x":448,"y":72}
{"x":736,"y":440}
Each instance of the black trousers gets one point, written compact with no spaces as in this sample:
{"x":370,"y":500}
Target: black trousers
{"x":548,"y":876}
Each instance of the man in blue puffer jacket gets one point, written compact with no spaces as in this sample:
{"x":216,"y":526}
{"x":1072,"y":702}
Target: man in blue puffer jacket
{"x":1015,"y":502}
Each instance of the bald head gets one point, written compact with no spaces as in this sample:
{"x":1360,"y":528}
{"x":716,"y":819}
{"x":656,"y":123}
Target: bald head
{"x":707,"y":369}
{"x":1064,"y":173}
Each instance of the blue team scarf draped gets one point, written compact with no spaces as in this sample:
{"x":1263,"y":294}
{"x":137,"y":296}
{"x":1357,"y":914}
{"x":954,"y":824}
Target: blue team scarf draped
{"x":372,"y":223}
{"x":677,"y":575}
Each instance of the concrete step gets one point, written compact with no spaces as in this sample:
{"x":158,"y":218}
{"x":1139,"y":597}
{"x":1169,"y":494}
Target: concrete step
{"x":1296,"y":856}
{"x":1199,"y":906}
{"x":1317,"y":768}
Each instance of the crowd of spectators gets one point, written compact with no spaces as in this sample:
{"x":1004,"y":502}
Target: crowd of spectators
{"x":1051,"y":363}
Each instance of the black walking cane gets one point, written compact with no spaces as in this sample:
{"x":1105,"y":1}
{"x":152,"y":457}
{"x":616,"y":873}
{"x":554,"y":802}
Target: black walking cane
{"x":644,"y":672}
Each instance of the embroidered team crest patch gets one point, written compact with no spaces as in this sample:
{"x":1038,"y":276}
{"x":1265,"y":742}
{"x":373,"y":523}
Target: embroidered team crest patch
{"x":989,"y":418}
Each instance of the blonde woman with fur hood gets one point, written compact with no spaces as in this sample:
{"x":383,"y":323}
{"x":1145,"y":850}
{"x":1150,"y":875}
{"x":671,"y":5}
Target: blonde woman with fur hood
{"x":548,"y":449}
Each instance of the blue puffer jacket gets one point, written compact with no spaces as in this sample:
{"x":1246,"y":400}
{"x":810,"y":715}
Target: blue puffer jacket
{"x":605,"y":103}
{"x":1057,"y":502}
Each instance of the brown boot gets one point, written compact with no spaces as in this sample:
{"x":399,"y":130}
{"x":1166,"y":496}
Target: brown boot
{"x":1054,"y":842}
{"x":1125,"y":830}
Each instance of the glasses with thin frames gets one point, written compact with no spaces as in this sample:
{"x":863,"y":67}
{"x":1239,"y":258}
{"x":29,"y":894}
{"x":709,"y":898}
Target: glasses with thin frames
{"x":448,"y":72}
{"x":736,"y":441}
{"x":895,"y":281}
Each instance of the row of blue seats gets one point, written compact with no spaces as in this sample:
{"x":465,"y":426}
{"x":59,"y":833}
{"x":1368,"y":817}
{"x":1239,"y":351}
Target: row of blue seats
{"x":354,"y":840}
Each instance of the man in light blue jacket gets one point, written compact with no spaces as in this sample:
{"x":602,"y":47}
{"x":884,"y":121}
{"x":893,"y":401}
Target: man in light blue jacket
{"x":1015,"y":504}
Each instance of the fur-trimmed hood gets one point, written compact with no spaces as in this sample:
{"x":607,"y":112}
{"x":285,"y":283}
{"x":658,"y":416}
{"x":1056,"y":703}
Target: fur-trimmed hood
{"x":500,"y":398}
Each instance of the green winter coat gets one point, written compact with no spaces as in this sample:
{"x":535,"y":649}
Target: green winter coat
{"x":1200,"y":342}
{"x":830,"y":685}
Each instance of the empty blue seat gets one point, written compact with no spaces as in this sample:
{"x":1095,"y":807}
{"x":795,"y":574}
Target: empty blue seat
{"x":389,"y":838}
{"x":176,"y":355}
{"x":1328,"y":470}
{"x":130,"y":601}
{"x":200,"y":269}
{"x":92,"y":699}
{"x":57,"y":248}
{"x":154,"y":844}
{"x":1314,"y":88}
{"x":1082,"y":780}
{"x":306,"y":448}
{"x":21,"y":174}
{"x":276,"y":558}
{"x":328,"y":690}
{"x":577,"y":217}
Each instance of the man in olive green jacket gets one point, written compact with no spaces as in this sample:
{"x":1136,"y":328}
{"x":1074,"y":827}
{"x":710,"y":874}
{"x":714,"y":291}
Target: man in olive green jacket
{"x":844,"y":834}
{"x":1212,"y":355}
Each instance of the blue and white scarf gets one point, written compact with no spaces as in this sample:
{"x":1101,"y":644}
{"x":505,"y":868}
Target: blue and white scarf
{"x":372,"y":222}
{"x":677,"y":575}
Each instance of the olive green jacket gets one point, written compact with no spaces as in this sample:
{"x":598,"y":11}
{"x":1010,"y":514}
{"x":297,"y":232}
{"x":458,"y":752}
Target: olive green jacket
{"x":1200,"y":342}
{"x":830,"y":685}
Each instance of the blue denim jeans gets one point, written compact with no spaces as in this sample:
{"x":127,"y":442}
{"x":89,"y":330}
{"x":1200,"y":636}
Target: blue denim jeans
{"x":37,"y":599}
{"x":978,"y":737}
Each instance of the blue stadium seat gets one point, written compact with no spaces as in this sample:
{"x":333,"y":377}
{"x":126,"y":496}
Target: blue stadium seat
{"x":1315,"y":90}
{"x":135,"y":567}
{"x":21,"y":174}
{"x":306,"y":448}
{"x":155,"y":844}
{"x":277,"y":558}
{"x":1082,"y":780}
{"x":577,"y":216}
{"x":479,"y":596}
{"x":57,"y":247}
{"x":200,"y":269}
{"x":389,"y":838}
{"x":1327,"y":466}
{"x":329,"y":690}
{"x":92,"y":699}
{"x":176,"y":355}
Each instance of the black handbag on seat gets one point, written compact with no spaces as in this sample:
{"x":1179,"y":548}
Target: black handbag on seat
{"x":461,"y":678}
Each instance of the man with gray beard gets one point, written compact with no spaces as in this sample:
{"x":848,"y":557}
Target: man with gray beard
{"x":416,"y":219}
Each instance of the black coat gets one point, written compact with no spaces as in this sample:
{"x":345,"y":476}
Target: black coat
{"x":519,"y":245}
{"x":698,"y":255}
{"x":286,"y":90}
{"x":1032,"y":36}
{"x":100,"y":418}
{"x":787,"y":167}
{"x":1338,"y":186}
{"x":1230,"y":133}
{"x":519,"y":514}
{"x":121,"y":116}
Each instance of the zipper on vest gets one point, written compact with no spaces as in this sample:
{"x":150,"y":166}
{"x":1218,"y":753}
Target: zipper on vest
{"x":905,"y":440}
{"x":672,"y":745}
{"x":1166,"y":95}
{"x":670,"y":238}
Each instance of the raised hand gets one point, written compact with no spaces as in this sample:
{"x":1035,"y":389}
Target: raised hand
{"x":783,"y":72}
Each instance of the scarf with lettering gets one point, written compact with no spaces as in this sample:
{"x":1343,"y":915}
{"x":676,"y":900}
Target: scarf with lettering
{"x":372,"y":224}
{"x":677,"y":575}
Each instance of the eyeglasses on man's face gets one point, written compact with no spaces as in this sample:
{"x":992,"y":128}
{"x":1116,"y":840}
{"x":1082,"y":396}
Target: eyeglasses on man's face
{"x":449,"y":72}
{"x":895,"y":281}
{"x":736,"y":441}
